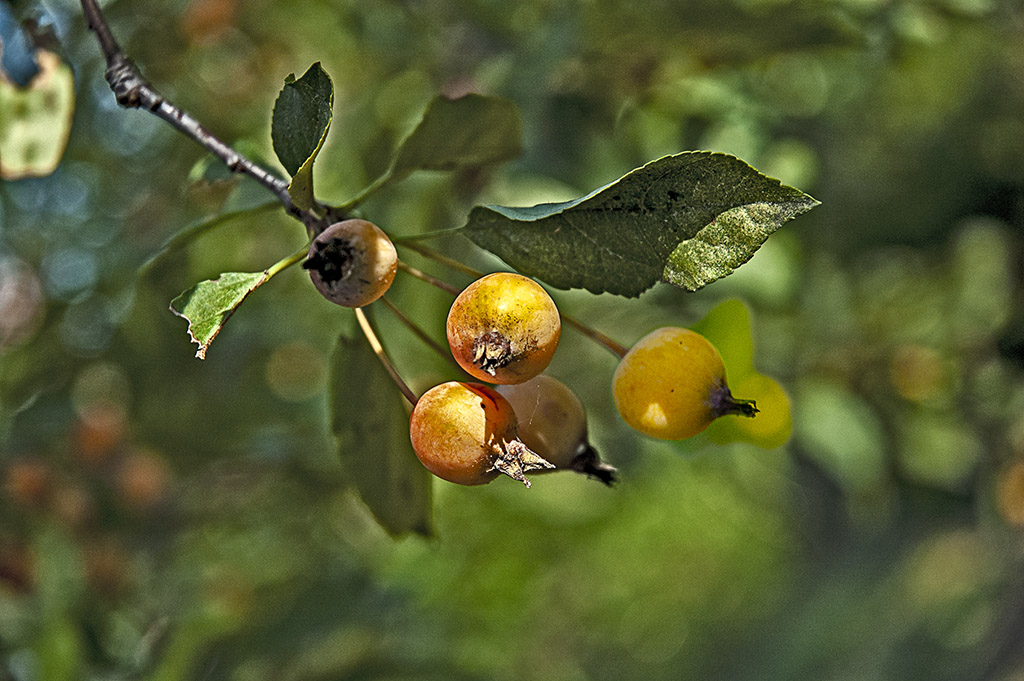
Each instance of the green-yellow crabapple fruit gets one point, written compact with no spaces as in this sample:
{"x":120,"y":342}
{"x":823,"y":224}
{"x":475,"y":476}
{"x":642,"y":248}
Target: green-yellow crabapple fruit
{"x":467,"y":433}
{"x":352,"y":263}
{"x":503,"y":328}
{"x":671,"y":385}
{"x":553,"y":423}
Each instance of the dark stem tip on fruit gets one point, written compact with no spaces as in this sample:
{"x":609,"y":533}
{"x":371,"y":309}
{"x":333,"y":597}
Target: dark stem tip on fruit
{"x":491,"y":351}
{"x":723,"y":403}
{"x":589,"y":463}
{"x":746,"y":408}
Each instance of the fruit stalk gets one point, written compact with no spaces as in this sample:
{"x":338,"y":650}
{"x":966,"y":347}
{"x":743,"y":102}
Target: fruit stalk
{"x":378,"y":349}
{"x":423,"y":276}
{"x":419,"y":332}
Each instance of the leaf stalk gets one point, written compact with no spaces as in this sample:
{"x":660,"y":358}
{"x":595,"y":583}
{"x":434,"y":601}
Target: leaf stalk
{"x":285,"y":263}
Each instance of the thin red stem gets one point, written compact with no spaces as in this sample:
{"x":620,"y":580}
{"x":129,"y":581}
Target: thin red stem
{"x":450,"y":263}
{"x":614,"y":346}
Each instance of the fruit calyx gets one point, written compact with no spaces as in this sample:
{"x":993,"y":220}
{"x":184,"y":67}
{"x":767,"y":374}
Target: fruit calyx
{"x":332,"y":259}
{"x":491,"y":351}
{"x":516,"y":459}
{"x":722,"y":403}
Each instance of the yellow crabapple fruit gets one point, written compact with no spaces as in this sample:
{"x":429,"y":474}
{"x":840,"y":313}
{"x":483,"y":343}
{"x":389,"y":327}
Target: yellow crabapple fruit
{"x":553,"y":423}
{"x":466,"y":433}
{"x":503,"y":328}
{"x":352,"y":263}
{"x":671,"y":385}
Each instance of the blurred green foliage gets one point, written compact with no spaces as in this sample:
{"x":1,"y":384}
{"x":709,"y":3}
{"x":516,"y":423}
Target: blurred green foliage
{"x":166,"y":518}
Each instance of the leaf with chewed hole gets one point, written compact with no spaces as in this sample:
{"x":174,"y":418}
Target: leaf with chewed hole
{"x":208,"y":305}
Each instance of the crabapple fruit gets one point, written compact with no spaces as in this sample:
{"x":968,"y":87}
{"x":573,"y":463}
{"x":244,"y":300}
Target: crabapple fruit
{"x":466,"y":433}
{"x":352,"y":263}
{"x":553,"y":423}
{"x":503,"y":328}
{"x":671,"y":385}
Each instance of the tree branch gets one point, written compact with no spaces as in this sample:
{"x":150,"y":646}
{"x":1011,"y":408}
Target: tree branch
{"x":133,"y":92}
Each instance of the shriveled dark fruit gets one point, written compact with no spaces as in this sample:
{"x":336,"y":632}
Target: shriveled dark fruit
{"x":352,"y":263}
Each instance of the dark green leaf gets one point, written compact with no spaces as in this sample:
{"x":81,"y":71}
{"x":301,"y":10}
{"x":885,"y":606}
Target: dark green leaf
{"x":302,"y":117}
{"x":472,"y":130}
{"x":302,"y":114}
{"x":687,"y":219}
{"x":455,"y":133}
{"x":208,"y":305}
{"x":371,"y":424}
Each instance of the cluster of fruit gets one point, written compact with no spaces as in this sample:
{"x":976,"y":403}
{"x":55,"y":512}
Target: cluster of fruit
{"x":503,"y":330}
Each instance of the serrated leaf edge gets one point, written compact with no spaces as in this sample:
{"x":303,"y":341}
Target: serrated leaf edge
{"x":203,"y":347}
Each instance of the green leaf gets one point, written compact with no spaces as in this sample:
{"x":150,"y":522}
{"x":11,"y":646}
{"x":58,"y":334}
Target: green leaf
{"x":208,"y":305}
{"x":687,"y":219}
{"x":35,"y":121}
{"x":728,"y":328}
{"x":473,"y":130}
{"x":302,"y":117}
{"x":371,"y":424}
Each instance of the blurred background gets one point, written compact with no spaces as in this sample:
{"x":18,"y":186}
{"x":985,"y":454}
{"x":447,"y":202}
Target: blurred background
{"x":163,"y":517}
